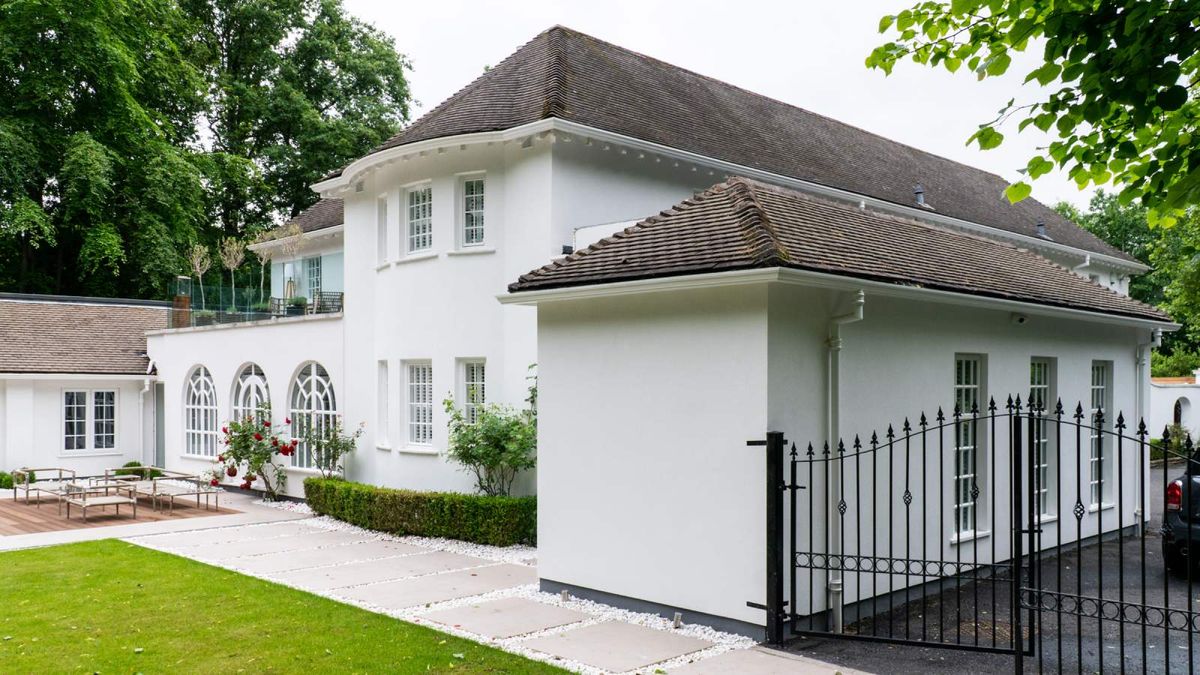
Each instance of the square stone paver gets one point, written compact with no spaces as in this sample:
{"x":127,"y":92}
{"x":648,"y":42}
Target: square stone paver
{"x":617,"y":647}
{"x":758,"y":662}
{"x":223,"y":535}
{"x":287,"y":561}
{"x":507,"y":617}
{"x":239,"y":549}
{"x":441,"y":587}
{"x":374,"y":571}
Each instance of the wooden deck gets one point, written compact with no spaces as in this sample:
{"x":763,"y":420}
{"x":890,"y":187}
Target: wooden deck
{"x":17,"y":517}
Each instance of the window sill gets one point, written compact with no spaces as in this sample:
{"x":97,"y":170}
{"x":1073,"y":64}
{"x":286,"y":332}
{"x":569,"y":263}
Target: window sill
{"x":1105,"y":506}
{"x":383,"y":446}
{"x":383,"y":265}
{"x":414,"y":449}
{"x":969,"y":537}
{"x":1047,"y":519}
{"x":471,"y":250}
{"x":206,"y":458}
{"x":415,"y":257}
{"x":67,"y":454}
{"x":302,"y":470}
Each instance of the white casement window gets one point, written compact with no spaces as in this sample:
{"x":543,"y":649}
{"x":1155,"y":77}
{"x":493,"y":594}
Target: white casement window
{"x":420,"y":403}
{"x":200,"y":414}
{"x":968,"y":396}
{"x":251,"y":398}
{"x":1098,"y":420}
{"x":1041,"y":406}
{"x":472,"y":212}
{"x":474,"y":392}
{"x":89,"y":420}
{"x":381,"y":230}
{"x":420,"y":219}
{"x":382,"y":408}
{"x":312,"y":272}
{"x":313,"y":411}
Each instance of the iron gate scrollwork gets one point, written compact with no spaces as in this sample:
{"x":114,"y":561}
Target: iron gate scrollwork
{"x":1017,"y":529}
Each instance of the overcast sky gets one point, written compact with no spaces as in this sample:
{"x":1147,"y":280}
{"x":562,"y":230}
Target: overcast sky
{"x":805,"y":53}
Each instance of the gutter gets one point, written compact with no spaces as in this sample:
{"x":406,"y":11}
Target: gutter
{"x":1141,"y":360}
{"x":833,"y":428}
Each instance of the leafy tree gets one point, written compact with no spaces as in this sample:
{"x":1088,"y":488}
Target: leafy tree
{"x":1123,"y":77}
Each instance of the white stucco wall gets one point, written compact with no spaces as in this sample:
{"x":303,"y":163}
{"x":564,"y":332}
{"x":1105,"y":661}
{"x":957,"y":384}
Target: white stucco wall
{"x":648,"y":401}
{"x":1162,"y":407}
{"x":31,"y":423}
{"x":279,"y":347}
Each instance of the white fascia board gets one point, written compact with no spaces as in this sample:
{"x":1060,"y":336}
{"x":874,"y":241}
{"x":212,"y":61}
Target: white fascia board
{"x":354,"y":171}
{"x":323,"y":233}
{"x":822,"y":280}
{"x":90,"y":377}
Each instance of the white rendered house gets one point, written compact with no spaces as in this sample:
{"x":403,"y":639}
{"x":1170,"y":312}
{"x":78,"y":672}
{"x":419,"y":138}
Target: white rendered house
{"x":565,"y":141}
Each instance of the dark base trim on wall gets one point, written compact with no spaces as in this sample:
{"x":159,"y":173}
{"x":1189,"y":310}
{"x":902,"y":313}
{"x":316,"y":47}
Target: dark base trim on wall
{"x":722,"y":623}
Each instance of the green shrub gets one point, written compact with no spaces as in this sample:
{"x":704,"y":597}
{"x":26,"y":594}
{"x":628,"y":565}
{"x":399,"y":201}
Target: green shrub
{"x":6,"y":481}
{"x":482,"y":519}
{"x":135,"y":467}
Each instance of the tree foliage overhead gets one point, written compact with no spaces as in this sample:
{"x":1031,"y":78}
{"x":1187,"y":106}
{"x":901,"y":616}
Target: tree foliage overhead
{"x":1122,"y":77}
{"x":131,"y":130}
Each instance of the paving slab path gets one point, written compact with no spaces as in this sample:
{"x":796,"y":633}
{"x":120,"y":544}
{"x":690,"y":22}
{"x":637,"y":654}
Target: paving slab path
{"x":483,"y":593}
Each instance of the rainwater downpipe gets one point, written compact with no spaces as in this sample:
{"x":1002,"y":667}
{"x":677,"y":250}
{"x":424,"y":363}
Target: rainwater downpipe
{"x":1142,"y":363}
{"x":833,"y":392}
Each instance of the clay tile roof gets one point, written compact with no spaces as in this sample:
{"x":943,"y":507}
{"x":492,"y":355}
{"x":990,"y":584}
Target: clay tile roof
{"x":83,"y":336}
{"x":323,"y":214}
{"x":744,"y":224}
{"x":568,"y":75}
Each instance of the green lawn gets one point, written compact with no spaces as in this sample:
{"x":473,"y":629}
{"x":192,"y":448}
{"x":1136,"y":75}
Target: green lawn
{"x":112,"y":607}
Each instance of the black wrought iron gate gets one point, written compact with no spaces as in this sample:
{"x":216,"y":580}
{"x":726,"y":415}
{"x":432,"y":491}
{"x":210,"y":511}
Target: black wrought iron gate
{"x":1045,"y":534}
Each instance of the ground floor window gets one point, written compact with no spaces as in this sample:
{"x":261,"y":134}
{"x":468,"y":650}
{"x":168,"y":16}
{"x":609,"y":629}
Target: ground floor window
{"x":420,"y":403}
{"x":313,"y":411}
{"x":200,"y":414}
{"x":1041,"y":395}
{"x":1101,"y":390}
{"x":474,"y":393}
{"x":89,"y":420}
{"x":251,"y":398}
{"x":968,"y":392}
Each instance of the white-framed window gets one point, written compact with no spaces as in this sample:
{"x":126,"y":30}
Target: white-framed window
{"x":313,"y":409}
{"x":381,"y":230}
{"x":474,"y":389}
{"x":472,"y":211}
{"x":312,"y":273}
{"x":419,"y":217}
{"x":383,"y":408}
{"x":89,"y":420}
{"x":419,"y":384}
{"x":200,"y":414}
{"x":251,"y":398}
{"x":1041,"y":405}
{"x":968,"y":396}
{"x":1101,"y":387}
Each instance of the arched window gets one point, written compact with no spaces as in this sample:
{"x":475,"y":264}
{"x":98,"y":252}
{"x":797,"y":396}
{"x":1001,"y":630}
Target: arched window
{"x":251,"y":398}
{"x":1182,"y":414}
{"x":1179,"y":411}
{"x":314,"y":408}
{"x":200,"y":414}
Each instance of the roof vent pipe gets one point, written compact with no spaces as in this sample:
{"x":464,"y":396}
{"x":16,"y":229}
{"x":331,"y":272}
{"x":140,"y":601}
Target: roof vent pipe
{"x":919,"y":193}
{"x":1041,"y":227}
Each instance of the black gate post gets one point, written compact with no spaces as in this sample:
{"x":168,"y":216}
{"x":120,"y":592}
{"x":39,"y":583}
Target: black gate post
{"x":1015,"y":515}
{"x":775,"y":488}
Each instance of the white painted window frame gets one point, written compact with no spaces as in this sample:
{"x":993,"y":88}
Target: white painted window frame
{"x":1043,"y":394}
{"x":472,"y":386}
{"x":969,"y":387}
{"x":381,"y":229}
{"x":200,"y":414}
{"x":469,"y":206}
{"x":383,"y":406}
{"x":418,"y":402}
{"x":413,"y":238}
{"x":1099,"y":399}
{"x":88,"y":435}
{"x":251,"y":394}
{"x":312,"y":404}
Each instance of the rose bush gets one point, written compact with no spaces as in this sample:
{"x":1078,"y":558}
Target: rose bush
{"x":252,"y":449}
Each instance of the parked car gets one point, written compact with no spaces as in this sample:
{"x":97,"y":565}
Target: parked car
{"x":1181,"y":519}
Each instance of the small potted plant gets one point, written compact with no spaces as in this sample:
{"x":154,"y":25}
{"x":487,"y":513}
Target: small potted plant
{"x":297,"y":305}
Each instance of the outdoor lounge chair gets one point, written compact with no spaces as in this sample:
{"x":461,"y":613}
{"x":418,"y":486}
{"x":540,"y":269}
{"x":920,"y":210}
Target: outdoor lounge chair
{"x":48,"y":481}
{"x":85,"y":497}
{"x":165,"y":487}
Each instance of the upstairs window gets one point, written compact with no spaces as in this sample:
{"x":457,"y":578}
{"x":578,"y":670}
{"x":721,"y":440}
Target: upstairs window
{"x":472,"y":215}
{"x":312,"y":270}
{"x":381,"y":230}
{"x":420,"y":219}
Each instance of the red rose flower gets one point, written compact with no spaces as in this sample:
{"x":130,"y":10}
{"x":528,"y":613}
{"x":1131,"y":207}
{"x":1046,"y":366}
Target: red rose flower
{"x":287,"y":420}
{"x":224,"y":430}
{"x":231,"y":471}
{"x":214,"y":482}
{"x":266,"y":423}
{"x":249,"y":478}
{"x":295,"y":442}
{"x":220,"y":458}
{"x":245,"y":486}
{"x":274,"y":442}
{"x":257,"y":436}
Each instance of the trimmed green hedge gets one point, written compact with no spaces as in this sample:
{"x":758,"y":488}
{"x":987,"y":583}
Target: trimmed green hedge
{"x":499,"y":521}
